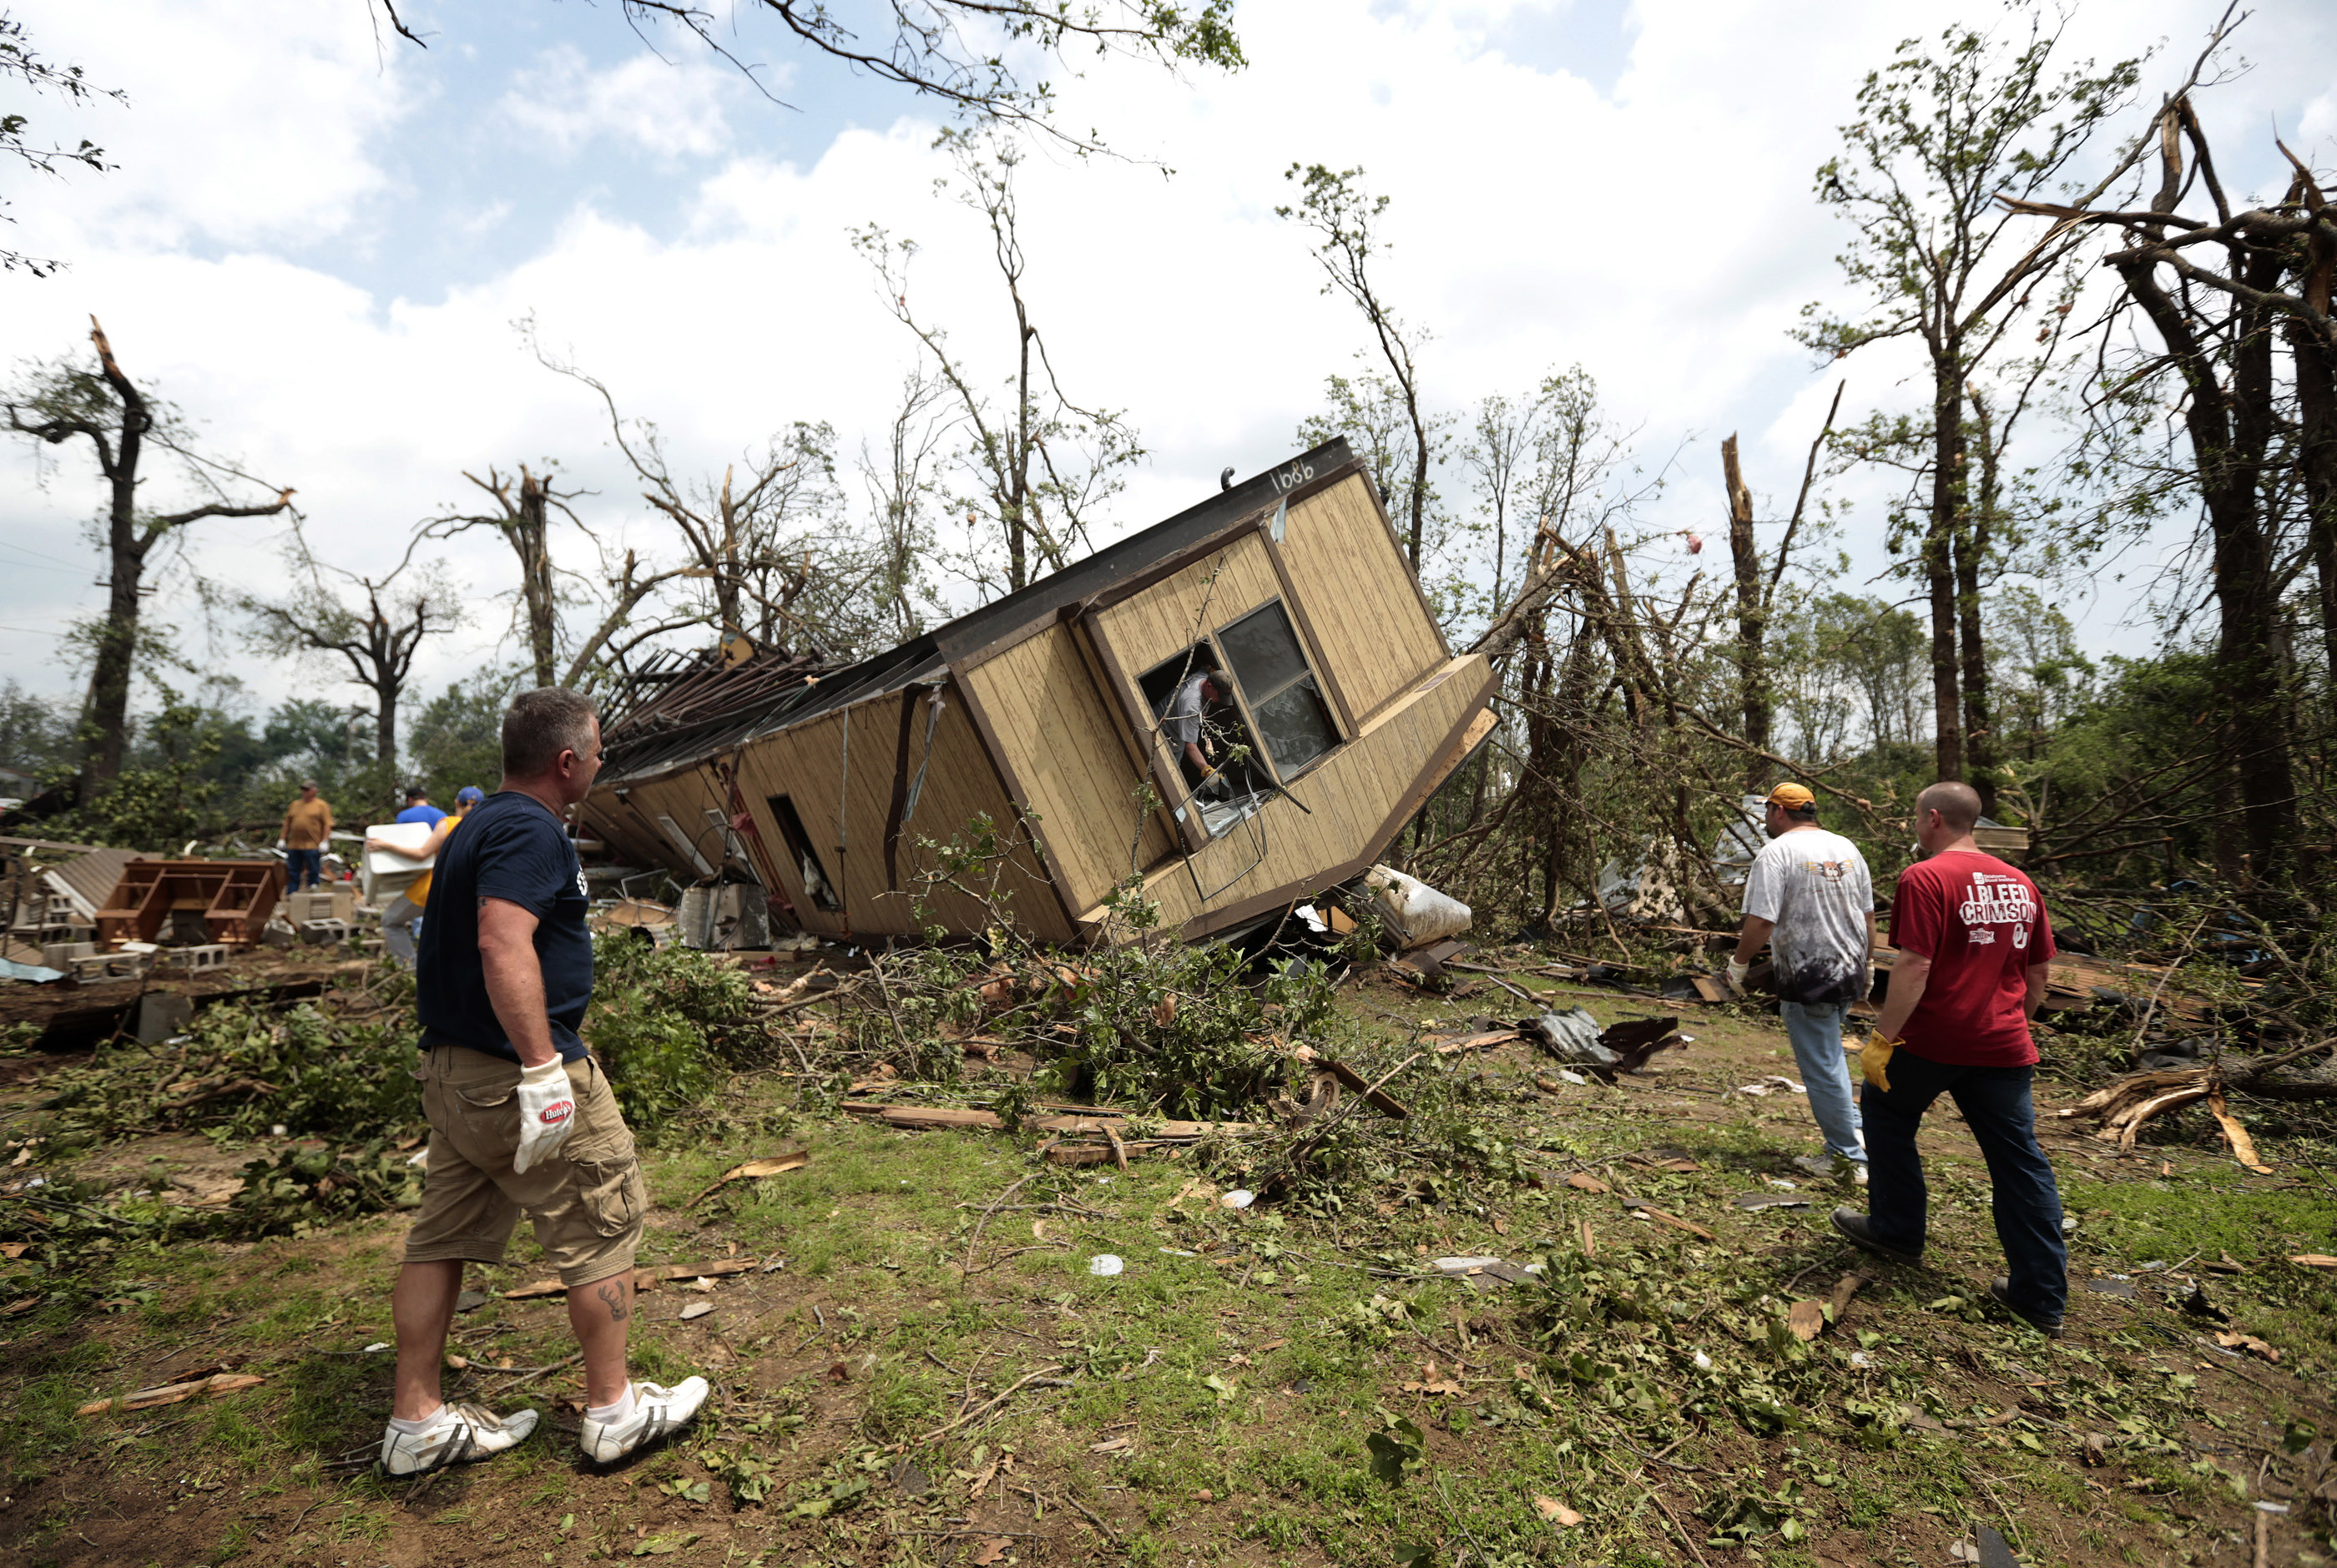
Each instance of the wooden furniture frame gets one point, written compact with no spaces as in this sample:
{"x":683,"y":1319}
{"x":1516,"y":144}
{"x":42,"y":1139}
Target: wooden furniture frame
{"x":235,"y":898}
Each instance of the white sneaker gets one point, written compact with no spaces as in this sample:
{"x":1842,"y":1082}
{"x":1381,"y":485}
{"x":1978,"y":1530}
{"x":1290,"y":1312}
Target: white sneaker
{"x":656,"y":1412}
{"x":457,"y":1434}
{"x":1832,"y":1166}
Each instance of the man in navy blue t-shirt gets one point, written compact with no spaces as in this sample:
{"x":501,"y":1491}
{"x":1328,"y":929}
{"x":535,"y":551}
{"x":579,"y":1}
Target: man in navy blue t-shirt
{"x":521,"y":1117}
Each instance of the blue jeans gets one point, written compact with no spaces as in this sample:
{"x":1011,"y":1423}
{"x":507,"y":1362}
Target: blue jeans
{"x":300,"y":863}
{"x":401,"y":930}
{"x":1815,"y":1029}
{"x":1995,"y":1102}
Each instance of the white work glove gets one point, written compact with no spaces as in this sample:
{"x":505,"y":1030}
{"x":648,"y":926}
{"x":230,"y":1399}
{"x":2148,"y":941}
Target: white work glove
{"x":547,"y":1112}
{"x":1736,"y":973}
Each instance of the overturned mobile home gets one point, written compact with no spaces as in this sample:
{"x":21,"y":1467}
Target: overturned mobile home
{"x":1337,"y":708}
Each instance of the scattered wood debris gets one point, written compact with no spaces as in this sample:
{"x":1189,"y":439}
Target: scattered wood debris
{"x":174,"y":1393}
{"x":771,"y":1165}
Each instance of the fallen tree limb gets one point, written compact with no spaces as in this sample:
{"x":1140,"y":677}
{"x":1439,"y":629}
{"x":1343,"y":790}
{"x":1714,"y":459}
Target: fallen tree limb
{"x":173,"y":1393}
{"x":2125,"y":1103}
{"x":933,"y":1117}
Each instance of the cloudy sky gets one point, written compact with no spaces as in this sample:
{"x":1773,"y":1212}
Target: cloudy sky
{"x":317,"y":241}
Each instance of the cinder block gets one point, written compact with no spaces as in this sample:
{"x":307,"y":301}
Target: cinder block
{"x":61,"y":955}
{"x":320,"y":933}
{"x":111,"y":966}
{"x":338,"y":903}
{"x":193,"y":960}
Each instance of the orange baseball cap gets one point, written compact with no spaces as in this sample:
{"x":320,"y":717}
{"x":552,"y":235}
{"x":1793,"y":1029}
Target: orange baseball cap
{"x":1794,"y":797}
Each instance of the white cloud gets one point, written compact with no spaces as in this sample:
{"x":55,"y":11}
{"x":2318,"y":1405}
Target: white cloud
{"x":666,"y":108}
{"x":255,"y":126}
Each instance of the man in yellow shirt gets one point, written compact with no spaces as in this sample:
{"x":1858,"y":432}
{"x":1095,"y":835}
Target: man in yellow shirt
{"x":307,"y":828}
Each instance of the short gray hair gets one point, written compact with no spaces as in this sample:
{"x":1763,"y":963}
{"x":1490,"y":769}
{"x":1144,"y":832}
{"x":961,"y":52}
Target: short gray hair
{"x":541,"y":725}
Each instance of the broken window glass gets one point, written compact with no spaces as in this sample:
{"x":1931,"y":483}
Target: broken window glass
{"x":1269,"y":666}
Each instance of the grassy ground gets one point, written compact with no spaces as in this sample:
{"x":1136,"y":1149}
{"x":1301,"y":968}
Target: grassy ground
{"x":1282,"y":1384}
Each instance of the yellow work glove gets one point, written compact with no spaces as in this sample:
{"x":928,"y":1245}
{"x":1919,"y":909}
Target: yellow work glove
{"x":1874,"y":1056}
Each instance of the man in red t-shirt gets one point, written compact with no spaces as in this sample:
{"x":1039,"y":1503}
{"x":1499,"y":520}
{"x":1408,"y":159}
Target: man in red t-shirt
{"x":1974,"y":946}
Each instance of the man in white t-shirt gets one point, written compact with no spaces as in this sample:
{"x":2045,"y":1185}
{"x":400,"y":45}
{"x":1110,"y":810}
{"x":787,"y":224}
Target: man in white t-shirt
{"x":1183,"y":724}
{"x":1809,"y":897}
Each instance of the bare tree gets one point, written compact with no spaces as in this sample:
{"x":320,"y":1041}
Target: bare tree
{"x":1036,"y":471}
{"x":1502,"y":443}
{"x":522,"y":516}
{"x":374,"y":625}
{"x":63,"y":401}
{"x":1756,"y":593}
{"x":900,"y":488}
{"x":1342,"y":218}
{"x":768,"y":561}
{"x":2221,"y":297}
{"x":958,"y":51}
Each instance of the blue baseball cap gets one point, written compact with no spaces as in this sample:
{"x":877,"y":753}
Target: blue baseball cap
{"x":469,"y":796}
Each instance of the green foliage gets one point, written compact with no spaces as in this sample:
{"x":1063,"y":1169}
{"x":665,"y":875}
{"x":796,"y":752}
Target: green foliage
{"x":1857,"y":669}
{"x":159,"y":805}
{"x":456,"y":736}
{"x":929,"y":998}
{"x":1175,"y":1026}
{"x":36,"y":732}
{"x":244,"y":1069}
{"x":664,"y":1021}
{"x":1397,"y":1449}
{"x":1745,"y":1517}
{"x":303,"y":1191}
{"x":1942,"y":132}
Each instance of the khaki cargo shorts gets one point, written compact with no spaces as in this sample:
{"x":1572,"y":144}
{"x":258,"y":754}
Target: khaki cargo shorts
{"x":587,"y":1199}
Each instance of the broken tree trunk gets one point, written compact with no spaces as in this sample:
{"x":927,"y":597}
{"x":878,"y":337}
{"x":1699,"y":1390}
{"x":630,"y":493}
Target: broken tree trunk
{"x":2125,"y":1103}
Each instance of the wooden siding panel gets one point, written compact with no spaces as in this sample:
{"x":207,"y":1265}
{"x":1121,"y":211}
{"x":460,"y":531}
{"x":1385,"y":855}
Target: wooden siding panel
{"x":1066,"y":745}
{"x":1346,"y":568}
{"x":806,"y":764}
{"x":1166,"y":618}
{"x":685,"y":797}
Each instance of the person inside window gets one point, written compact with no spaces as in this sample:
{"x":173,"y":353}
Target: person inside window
{"x":1185,"y":725}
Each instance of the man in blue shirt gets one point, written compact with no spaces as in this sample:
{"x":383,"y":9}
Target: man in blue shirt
{"x":418,"y":808}
{"x":401,"y":920}
{"x":521,"y":1117}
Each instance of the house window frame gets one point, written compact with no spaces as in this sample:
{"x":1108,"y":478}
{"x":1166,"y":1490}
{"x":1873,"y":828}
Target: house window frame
{"x":1166,"y":769}
{"x":1331,"y":708}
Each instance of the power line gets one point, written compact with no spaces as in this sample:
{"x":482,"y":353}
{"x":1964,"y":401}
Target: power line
{"x":35,"y":565}
{"x":23,"y":549}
